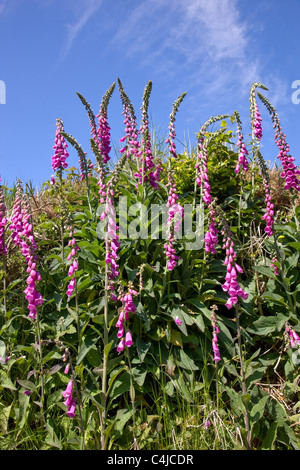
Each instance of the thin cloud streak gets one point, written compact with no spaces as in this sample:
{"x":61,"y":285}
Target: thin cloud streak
{"x":209,"y":36}
{"x":73,"y":30}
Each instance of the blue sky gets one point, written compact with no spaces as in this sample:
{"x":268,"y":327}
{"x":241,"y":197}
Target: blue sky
{"x":214,"y":50}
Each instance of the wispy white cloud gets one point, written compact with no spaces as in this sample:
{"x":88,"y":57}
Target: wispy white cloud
{"x":87,"y":9}
{"x":203,"y":43}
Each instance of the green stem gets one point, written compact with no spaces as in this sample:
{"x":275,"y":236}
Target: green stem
{"x":104,"y":369}
{"x":39,"y":342}
{"x":243,"y":380}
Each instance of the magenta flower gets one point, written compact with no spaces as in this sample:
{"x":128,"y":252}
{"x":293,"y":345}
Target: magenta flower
{"x":178,"y":321}
{"x":3,"y":222}
{"x":211,"y":236}
{"x":231,"y":285}
{"x":268,"y":216}
{"x":243,"y":152}
{"x":290,"y":172}
{"x":69,"y":402}
{"x":60,"y":149}
{"x":74,"y":266}
{"x":22,"y":236}
{"x":276,"y":269}
{"x":128,"y":307}
{"x":256,"y":122}
{"x":293,"y":337}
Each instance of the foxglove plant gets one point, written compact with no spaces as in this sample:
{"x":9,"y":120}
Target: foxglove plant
{"x":256,"y":119}
{"x":22,"y":236}
{"x":58,"y":160}
{"x":148,"y":172}
{"x":132,"y":146}
{"x":74,"y":263}
{"x":211,"y":236}
{"x":202,"y":180}
{"x":243,"y":152}
{"x":269,"y":214}
{"x":233,"y":268}
{"x":176,"y":212}
{"x":128,"y":307}
{"x":3,"y":222}
{"x":290,"y":173}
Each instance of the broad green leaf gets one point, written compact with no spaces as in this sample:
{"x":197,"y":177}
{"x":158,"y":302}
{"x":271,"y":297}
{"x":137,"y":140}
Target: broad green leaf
{"x":268,"y":442}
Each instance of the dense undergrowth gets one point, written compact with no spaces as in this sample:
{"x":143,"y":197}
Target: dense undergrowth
{"x":121,"y":330}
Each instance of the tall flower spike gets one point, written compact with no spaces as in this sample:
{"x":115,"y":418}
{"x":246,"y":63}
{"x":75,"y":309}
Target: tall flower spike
{"x":60,"y":148}
{"x":216,"y":330}
{"x":74,"y":263}
{"x":3,"y":221}
{"x":254,"y":111}
{"x":112,"y":243}
{"x":22,"y":235}
{"x":103,"y":132}
{"x":269,"y":214}
{"x":128,"y":307}
{"x":132,"y":146}
{"x":202,"y":180}
{"x":290,"y":173}
{"x":243,"y":152}
{"x":233,"y":269}
{"x":148,"y":171}
{"x":175,"y":213}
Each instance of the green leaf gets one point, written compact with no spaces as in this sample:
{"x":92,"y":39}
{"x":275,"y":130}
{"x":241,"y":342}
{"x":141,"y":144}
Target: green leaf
{"x":120,"y":386}
{"x":185,"y":361}
{"x":142,"y":348}
{"x":27,"y":384}
{"x":87,"y":344}
{"x":258,"y":410}
{"x":268,"y":442}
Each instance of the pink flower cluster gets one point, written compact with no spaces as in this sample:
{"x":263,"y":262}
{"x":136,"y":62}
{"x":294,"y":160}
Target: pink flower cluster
{"x":211,"y":236}
{"x":216,"y":330}
{"x":112,"y":243}
{"x":175,"y":216}
{"x":293,"y":337}
{"x":22,"y":235}
{"x":151,"y":172}
{"x":102,"y":185}
{"x":172,"y":134}
{"x":268,"y":216}
{"x":243,"y":152}
{"x":202,"y":174}
{"x":60,"y":148}
{"x":132,"y":147}
{"x":256,"y":122}
{"x":102,"y":136}
{"x":128,"y":306}
{"x":231,"y":285}
{"x":3,"y":221}
{"x":276,"y":269}
{"x":290,"y":172}
{"x":74,"y":265}
{"x":69,"y":402}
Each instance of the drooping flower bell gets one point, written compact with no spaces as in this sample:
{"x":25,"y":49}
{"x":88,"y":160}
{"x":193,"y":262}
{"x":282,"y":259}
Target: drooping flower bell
{"x":231,"y":285}
{"x":128,"y":308}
